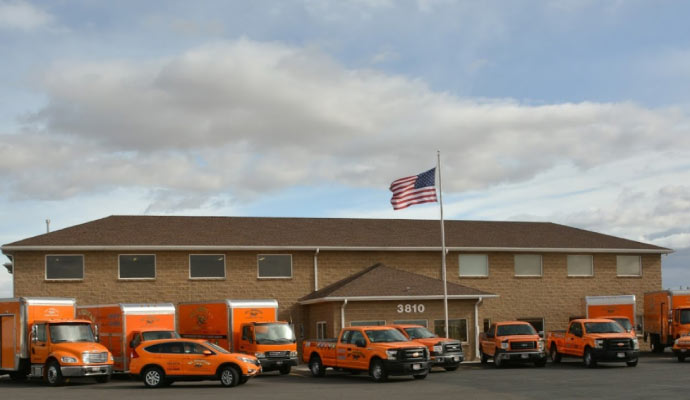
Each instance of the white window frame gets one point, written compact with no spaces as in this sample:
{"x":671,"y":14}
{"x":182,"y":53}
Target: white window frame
{"x":155,"y":268}
{"x":411,"y":322}
{"x":209,"y":278}
{"x":591,"y":258}
{"x":321,"y":333}
{"x":258,"y":271}
{"x":368,"y":322}
{"x":639,"y":259}
{"x":83,"y":267}
{"x":467,"y":327}
{"x":541,"y":266}
{"x":486,"y":275}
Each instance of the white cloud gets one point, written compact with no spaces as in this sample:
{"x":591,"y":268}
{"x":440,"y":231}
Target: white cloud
{"x":23,"y":16}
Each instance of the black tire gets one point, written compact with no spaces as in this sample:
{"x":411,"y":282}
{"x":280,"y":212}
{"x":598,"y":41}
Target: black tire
{"x":53,"y":374}
{"x":285,"y":369}
{"x":681,"y":358}
{"x":484,"y":357}
{"x":229,"y":377}
{"x":102,"y":378}
{"x":377,"y":371}
{"x":554,"y":354}
{"x":632,"y":363}
{"x":588,"y":359}
{"x":451,"y":369}
{"x":153,"y":377}
{"x":316,"y":366}
{"x":498,"y":362}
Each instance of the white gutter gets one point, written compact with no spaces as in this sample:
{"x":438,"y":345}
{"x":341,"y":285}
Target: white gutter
{"x":331,"y":248}
{"x":316,"y":269}
{"x":388,"y":298}
{"x":476,"y":327}
{"x":342,"y":314}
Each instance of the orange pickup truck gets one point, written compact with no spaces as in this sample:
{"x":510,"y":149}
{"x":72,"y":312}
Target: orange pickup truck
{"x":512,"y":341}
{"x":681,"y":347}
{"x":594,"y":340}
{"x":446,"y":353}
{"x":381,"y":350}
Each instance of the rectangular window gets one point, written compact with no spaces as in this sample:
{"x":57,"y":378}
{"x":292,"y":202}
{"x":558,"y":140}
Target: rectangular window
{"x":70,"y":267}
{"x":487,"y":324}
{"x":537,"y":323}
{"x":474,"y":265}
{"x":421,"y":322}
{"x":137,"y":266}
{"x":580,"y":265}
{"x":275,"y":265}
{"x":527,"y":265}
{"x":321,"y":330}
{"x":629,"y":265}
{"x":457,"y":329}
{"x":367,"y":323}
{"x":206,"y":266}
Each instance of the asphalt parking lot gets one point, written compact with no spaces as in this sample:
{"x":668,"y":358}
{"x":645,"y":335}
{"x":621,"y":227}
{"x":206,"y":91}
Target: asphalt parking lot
{"x":655,"y":377}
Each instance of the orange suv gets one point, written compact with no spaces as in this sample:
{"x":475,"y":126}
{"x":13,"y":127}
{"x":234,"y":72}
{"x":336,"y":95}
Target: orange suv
{"x":161,"y":362}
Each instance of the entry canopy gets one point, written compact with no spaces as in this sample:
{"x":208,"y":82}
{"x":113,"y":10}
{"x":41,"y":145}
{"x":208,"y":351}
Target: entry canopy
{"x":380,"y":282}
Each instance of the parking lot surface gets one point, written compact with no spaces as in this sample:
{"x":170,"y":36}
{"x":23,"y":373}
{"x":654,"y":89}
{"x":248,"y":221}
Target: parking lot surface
{"x":655,"y":377}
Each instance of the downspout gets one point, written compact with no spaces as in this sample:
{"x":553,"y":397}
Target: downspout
{"x":342,"y":314}
{"x":476,"y":327}
{"x":316,"y":270}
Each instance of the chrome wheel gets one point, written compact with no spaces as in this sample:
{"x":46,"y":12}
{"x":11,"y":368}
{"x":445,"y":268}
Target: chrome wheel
{"x":153,"y":378}
{"x":229,"y":377}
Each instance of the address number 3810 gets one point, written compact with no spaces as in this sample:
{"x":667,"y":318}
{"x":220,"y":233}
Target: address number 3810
{"x":410,"y":308}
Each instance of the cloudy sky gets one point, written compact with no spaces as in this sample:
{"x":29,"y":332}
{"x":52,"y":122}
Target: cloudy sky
{"x":570,"y":111}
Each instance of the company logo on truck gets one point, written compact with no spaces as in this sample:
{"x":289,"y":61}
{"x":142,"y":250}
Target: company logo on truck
{"x":50,"y":312}
{"x":201,"y":315}
{"x":253,"y":312}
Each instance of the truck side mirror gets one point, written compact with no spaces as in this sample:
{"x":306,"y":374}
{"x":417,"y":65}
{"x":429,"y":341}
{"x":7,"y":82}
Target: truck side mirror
{"x":541,"y":334}
{"x":34,"y":334}
{"x":95,"y":333}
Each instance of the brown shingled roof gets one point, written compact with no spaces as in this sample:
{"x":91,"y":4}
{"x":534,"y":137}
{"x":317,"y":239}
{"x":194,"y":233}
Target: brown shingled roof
{"x":181,"y":231}
{"x":381,"y":281}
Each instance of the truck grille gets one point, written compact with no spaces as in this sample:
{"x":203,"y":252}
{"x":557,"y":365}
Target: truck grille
{"x":523,"y":345}
{"x":416,"y":354}
{"x":452,"y":348}
{"x":94,"y":358}
{"x":618,"y":344}
{"x":277,"y":354}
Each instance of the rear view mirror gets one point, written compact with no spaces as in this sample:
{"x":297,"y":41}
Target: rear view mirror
{"x":541,"y":334}
{"x":208,"y":352}
{"x":34,"y":334}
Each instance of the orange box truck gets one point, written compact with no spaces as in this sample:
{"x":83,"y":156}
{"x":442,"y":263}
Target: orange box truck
{"x":621,"y":309}
{"x":242,"y":326}
{"x":666,"y":317}
{"x":42,"y":338}
{"x":123,"y":326}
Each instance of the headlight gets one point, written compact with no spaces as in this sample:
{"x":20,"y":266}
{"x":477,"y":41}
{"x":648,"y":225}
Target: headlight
{"x":68,"y":359}
{"x":246,"y":360}
{"x":504,"y":345}
{"x":392,"y":354}
{"x":259,"y":354}
{"x":293,"y":354}
{"x":540,"y":344}
{"x":675,"y":342}
{"x":636,"y":344}
{"x":599,"y":343}
{"x":438,"y":349}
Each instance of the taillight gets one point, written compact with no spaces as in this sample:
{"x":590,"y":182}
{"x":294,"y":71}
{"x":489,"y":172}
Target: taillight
{"x":134,"y":354}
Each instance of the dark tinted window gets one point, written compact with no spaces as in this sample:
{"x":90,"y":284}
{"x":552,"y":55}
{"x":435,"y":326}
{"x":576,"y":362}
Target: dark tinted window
{"x":170,"y":348}
{"x":64,"y":267}
{"x":519,"y":329}
{"x":207,"y":266}
{"x":275,"y":265}
{"x":133,"y":266}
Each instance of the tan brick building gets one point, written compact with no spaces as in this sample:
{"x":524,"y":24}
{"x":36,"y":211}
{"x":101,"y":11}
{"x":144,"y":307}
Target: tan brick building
{"x":540,"y":272}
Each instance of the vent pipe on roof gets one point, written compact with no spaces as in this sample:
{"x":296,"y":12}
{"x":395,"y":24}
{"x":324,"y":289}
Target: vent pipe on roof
{"x":47,"y":225}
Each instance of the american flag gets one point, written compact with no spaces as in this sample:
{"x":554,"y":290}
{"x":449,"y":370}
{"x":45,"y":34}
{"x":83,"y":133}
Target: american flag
{"x":415,"y":189}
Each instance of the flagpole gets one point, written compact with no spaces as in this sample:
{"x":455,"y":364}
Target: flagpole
{"x":443,"y":243}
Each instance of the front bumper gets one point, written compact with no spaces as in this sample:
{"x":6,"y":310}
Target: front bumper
{"x":394,"y":367}
{"x":272,"y":364}
{"x":681,"y":350}
{"x":447,"y":359}
{"x":613,"y":355}
{"x":522,"y":356}
{"x":86,"y":370}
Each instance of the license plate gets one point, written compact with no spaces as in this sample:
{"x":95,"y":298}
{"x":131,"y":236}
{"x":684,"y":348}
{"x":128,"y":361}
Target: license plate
{"x":621,"y":355}
{"x":279,"y":363}
{"x":524,"y":355}
{"x":95,"y":369}
{"x":416,"y":366}
{"x":683,"y":350}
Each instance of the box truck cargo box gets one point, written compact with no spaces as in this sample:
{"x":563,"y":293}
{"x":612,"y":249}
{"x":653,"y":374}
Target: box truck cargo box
{"x":621,"y":309}
{"x":666,"y":317}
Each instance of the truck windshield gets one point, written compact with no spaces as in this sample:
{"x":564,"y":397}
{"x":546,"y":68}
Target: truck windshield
{"x":685,"y":316}
{"x":155,"y":335}
{"x":273,"y":334}
{"x":71,"y":333}
{"x":519,"y":329}
{"x":385,"y":336}
{"x":625,"y":323}
{"x":603,"y":327}
{"x":419,"y":333}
